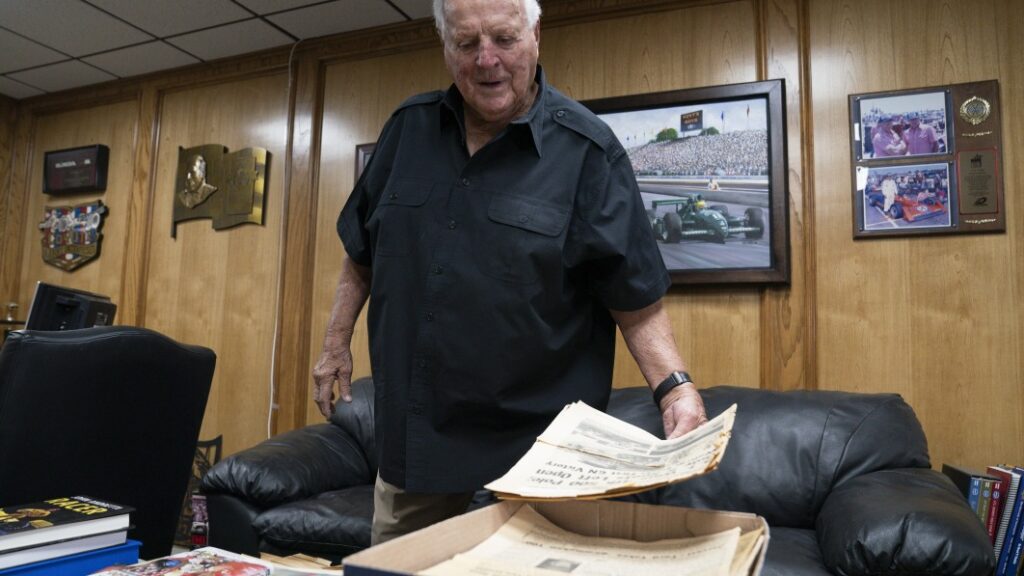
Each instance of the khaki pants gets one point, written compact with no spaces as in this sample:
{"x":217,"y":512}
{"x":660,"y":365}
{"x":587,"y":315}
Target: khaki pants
{"x":396,"y":512}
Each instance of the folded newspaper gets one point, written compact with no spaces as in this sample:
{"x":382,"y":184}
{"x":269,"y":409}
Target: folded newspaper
{"x":587,"y":454}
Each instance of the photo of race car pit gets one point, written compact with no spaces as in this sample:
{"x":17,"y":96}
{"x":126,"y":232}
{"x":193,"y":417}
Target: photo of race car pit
{"x":906,"y":196}
{"x":704,"y":179}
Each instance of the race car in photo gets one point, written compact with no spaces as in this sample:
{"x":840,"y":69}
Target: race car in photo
{"x":690,"y":218}
{"x":911,"y":206}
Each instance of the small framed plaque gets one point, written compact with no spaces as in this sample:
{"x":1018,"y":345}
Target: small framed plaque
{"x":363,"y":154}
{"x":76,"y":170}
{"x":927,"y":161}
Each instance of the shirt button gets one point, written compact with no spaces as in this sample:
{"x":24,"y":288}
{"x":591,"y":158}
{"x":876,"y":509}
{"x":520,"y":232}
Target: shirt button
{"x":560,"y":113}
{"x":465,"y":181}
{"x":437,"y":269}
{"x":451,"y":224}
{"x":393,"y":196}
{"x":429,"y":316}
{"x":524,"y":219}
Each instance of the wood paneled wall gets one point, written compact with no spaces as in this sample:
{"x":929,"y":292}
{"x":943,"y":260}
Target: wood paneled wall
{"x":936,"y":319}
{"x":113,"y":125}
{"x":8,"y":124}
{"x":219,"y":288}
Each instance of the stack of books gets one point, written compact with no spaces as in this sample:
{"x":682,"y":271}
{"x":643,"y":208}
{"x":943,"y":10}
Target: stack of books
{"x":41,"y":531}
{"x":996,"y":495}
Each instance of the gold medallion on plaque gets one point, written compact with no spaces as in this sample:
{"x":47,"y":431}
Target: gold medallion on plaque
{"x":975,"y":110}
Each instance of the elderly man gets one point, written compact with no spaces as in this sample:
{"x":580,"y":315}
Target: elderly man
{"x":886,"y":141}
{"x":500,"y":236}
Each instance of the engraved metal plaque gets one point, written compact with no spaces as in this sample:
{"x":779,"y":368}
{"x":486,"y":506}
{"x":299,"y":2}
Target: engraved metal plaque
{"x":978,"y":171}
{"x":227,"y":188}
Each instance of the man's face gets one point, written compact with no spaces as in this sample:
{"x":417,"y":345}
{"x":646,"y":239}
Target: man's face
{"x":492,"y":56}
{"x":196,"y":174}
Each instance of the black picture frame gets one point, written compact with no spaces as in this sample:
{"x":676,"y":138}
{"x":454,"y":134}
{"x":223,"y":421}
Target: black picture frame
{"x":704,"y":158}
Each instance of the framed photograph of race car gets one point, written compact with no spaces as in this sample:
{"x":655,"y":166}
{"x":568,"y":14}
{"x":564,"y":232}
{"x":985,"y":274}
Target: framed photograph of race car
{"x":905,"y":198}
{"x":711,"y":167}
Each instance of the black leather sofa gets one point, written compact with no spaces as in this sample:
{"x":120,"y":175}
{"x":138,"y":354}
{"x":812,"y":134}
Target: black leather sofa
{"x":843,"y":480}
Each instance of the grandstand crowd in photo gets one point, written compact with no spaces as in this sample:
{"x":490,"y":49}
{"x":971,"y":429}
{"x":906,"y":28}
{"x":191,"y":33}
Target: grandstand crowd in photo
{"x":738,"y":153}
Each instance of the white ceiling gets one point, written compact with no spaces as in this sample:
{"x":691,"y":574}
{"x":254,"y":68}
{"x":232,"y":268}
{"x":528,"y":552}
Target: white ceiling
{"x":54,"y":45}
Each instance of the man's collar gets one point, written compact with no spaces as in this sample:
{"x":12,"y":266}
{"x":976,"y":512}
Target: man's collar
{"x":533,"y":120}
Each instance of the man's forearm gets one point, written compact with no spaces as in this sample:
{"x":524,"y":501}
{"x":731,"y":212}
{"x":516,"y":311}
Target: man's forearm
{"x":649,"y":337}
{"x":349,"y":297}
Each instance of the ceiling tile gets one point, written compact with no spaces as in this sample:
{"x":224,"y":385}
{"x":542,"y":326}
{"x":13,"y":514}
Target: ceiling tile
{"x":17,"y":90}
{"x":335,"y":17}
{"x":141,"y":59}
{"x":231,"y":39}
{"x":70,"y":26}
{"x":177,"y":17}
{"x":70,"y":74}
{"x":17,"y":53}
{"x":416,"y":8}
{"x":267,"y":6}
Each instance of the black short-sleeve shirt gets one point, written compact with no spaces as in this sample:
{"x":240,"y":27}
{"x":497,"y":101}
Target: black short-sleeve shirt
{"x":492,"y":280}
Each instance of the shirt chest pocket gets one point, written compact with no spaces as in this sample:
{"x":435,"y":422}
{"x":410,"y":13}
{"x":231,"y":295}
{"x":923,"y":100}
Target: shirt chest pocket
{"x":399,"y":221}
{"x":522,"y":239}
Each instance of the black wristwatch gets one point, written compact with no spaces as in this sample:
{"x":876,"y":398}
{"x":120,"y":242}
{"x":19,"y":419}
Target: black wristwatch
{"x":674,"y":379}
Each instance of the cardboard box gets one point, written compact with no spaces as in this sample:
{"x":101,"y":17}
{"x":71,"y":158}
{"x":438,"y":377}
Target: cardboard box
{"x":425,"y":548}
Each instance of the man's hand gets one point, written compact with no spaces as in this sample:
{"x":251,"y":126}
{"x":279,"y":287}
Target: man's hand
{"x":682,"y":410}
{"x":334,"y":368}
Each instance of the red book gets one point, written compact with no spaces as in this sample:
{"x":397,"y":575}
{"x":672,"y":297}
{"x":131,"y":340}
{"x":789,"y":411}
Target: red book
{"x":995,"y":510}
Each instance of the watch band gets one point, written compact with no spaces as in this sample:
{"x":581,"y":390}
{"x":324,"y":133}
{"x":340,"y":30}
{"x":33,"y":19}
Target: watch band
{"x":674,"y":379}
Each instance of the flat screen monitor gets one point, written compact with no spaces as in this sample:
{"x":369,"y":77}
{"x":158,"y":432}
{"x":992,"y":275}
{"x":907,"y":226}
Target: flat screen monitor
{"x":60,"y":308}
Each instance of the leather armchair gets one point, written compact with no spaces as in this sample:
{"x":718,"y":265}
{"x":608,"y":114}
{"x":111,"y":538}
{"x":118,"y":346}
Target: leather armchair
{"x":843,"y":480}
{"x":111,"y":412}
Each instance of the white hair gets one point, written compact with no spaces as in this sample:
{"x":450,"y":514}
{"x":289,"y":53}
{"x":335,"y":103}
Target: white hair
{"x":532,"y":8}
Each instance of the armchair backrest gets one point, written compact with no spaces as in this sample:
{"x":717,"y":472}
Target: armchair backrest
{"x":111,"y":412}
{"x":357,"y":418}
{"x":788,"y":449}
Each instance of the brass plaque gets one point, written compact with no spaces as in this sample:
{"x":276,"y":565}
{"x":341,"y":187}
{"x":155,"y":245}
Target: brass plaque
{"x":227,"y":188}
{"x":978,"y":171}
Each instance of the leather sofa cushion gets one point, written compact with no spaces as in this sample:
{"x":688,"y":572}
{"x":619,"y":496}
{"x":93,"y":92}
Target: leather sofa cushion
{"x":295,"y":465}
{"x":788,"y":449}
{"x":793,"y":551}
{"x":902,"y":522}
{"x":334,"y":523}
{"x":356,"y":418}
